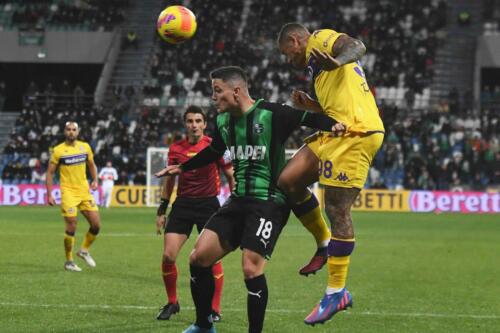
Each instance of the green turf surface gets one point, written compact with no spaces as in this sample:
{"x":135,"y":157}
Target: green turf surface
{"x":409,"y":273}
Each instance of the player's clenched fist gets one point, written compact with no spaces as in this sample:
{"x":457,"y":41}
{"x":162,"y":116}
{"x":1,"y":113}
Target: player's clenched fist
{"x":338,"y":129}
{"x":303,"y":101}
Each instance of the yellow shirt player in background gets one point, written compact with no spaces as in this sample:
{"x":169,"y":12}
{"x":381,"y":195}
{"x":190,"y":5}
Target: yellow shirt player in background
{"x":72,"y":157}
{"x":342,"y":92}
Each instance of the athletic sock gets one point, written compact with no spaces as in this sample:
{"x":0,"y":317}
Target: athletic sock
{"x":256,"y":303}
{"x":69,"y":242}
{"x":170,"y":281}
{"x":218,"y":274}
{"x":202,"y":291}
{"x":309,"y":214}
{"x":339,"y":251}
{"x":90,"y":237}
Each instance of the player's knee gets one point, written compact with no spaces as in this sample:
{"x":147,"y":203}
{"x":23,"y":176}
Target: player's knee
{"x":199,"y":260}
{"x":250,"y":271}
{"x":94,"y":229}
{"x":168,"y":258}
{"x":71,"y":227}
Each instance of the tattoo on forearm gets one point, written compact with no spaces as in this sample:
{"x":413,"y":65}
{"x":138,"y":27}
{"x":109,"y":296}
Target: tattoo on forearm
{"x":348,"y":50}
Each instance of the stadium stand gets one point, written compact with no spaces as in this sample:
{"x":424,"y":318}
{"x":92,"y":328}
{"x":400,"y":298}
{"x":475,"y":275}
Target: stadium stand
{"x":62,"y":14}
{"x":445,"y":144}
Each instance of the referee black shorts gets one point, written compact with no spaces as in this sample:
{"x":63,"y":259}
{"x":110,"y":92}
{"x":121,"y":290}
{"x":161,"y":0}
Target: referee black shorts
{"x":187,"y":212}
{"x":250,"y":224}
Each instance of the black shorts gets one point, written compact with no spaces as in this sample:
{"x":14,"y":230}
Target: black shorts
{"x":187,"y":212}
{"x":250,"y":224}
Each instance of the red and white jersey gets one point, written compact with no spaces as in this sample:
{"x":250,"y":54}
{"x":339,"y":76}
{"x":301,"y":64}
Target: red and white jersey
{"x":198,"y":183}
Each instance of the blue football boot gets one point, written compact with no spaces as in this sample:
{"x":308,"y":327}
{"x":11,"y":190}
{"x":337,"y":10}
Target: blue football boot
{"x":329,"y":306}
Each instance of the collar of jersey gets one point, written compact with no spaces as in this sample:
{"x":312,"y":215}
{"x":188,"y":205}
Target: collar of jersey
{"x":254,"y":106}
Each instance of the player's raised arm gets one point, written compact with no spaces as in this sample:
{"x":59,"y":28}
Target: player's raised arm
{"x":323,"y":122}
{"x":49,"y":181}
{"x":206,"y":156}
{"x":290,"y":119}
{"x":347,"y":49}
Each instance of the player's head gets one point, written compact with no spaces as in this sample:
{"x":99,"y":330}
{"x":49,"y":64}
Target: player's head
{"x":292,"y":42}
{"x":229,"y":87}
{"x":71,"y":131}
{"x":109,"y":164}
{"x":195,"y":122}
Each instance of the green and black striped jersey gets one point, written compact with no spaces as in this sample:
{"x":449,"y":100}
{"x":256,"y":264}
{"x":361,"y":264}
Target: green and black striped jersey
{"x":256,"y":142}
{"x":256,"y":145}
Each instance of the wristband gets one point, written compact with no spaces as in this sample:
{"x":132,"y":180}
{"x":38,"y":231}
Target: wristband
{"x":162,"y":208}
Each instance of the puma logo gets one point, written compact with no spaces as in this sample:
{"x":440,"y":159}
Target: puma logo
{"x":264,"y":242}
{"x":255,"y":294}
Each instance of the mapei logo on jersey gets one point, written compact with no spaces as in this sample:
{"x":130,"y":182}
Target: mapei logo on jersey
{"x":82,"y":148}
{"x":258,"y":128}
{"x":248,"y":152}
{"x":74,"y":159}
{"x":342,"y":177}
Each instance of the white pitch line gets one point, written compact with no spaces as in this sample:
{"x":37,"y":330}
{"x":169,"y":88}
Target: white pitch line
{"x":362,"y":313}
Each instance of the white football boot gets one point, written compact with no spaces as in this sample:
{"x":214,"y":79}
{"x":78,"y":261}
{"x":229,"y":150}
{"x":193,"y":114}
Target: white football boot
{"x":86,"y":256}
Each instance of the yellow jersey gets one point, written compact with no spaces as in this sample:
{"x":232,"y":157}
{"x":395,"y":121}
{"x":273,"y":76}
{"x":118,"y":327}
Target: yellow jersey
{"x":343,"y":93}
{"x":72,"y":162}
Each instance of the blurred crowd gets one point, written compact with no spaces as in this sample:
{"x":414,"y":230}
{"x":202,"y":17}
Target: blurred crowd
{"x":447,"y":147}
{"x":92,"y":14}
{"x":491,"y":17}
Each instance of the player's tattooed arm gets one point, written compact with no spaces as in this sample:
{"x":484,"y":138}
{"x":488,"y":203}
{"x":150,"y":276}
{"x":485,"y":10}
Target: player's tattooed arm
{"x":347,"y":49}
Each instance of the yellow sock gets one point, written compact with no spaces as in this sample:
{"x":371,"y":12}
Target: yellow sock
{"x":69,"y":242}
{"x":337,"y":271}
{"x":313,"y":220}
{"x":88,"y":240}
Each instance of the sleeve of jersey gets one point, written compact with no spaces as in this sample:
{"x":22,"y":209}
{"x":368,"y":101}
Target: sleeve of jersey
{"x":171,"y":156}
{"x":225,"y":161}
{"x":318,"y":121}
{"x":325,"y":39}
{"x":54,"y":157}
{"x":90,"y":154}
{"x":208,"y":155}
{"x":285,"y":119}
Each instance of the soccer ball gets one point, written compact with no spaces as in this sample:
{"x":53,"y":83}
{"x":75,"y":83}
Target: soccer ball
{"x":176,"y":24}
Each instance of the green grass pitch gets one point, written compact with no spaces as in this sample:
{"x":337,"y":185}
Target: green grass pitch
{"x":409,"y":273}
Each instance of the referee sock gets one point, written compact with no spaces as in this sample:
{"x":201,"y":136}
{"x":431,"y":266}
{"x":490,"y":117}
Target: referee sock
{"x":309,"y":214}
{"x":69,"y":242}
{"x":218,"y":274}
{"x":202,"y":291}
{"x":256,"y":303}
{"x":169,"y":273}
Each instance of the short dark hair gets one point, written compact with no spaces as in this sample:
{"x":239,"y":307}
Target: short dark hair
{"x":288,"y":29}
{"x":195,"y":109}
{"x":229,"y":73}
